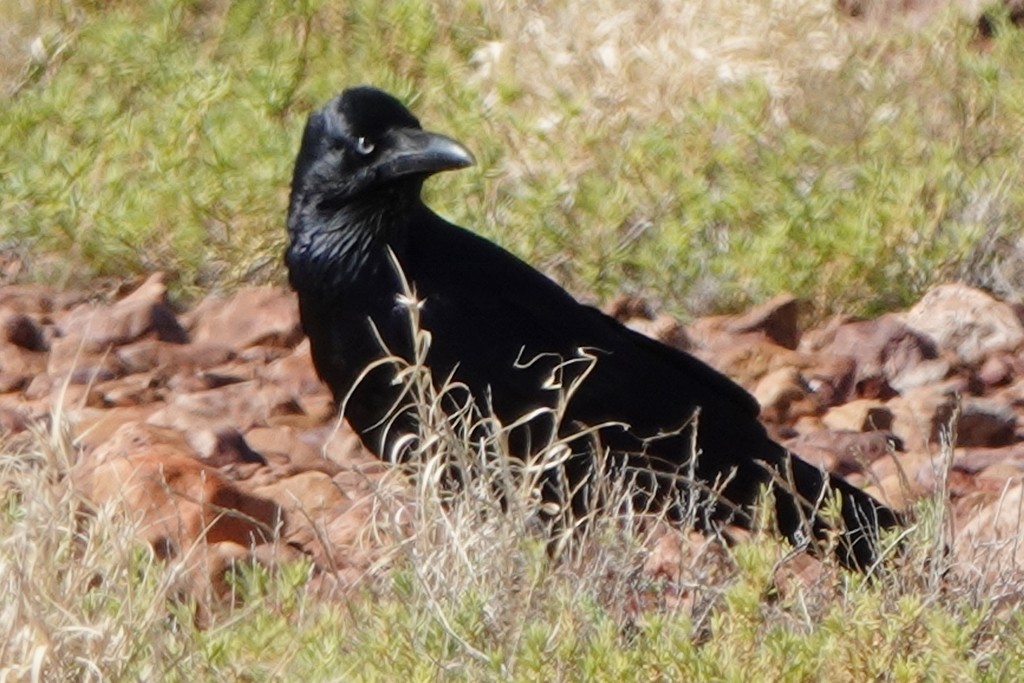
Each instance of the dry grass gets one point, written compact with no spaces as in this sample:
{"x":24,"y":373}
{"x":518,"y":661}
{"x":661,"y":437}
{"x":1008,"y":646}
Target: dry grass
{"x":466,"y":589}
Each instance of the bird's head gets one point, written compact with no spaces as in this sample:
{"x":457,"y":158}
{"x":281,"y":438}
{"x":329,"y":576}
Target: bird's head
{"x":365,"y":146}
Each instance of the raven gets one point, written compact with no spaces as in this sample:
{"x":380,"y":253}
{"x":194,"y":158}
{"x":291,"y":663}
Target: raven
{"x":360,"y":232}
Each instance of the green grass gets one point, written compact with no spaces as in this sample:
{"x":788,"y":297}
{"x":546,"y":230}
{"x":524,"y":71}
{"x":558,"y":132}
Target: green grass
{"x":705,"y":154}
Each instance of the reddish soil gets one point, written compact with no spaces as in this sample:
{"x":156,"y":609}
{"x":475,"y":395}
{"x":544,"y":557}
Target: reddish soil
{"x":210,"y":425}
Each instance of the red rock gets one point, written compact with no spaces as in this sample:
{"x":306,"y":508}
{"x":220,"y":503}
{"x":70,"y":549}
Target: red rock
{"x":18,"y":367}
{"x":884,"y":350}
{"x":306,"y":495}
{"x":239,"y":406}
{"x":151,"y":476}
{"x":997,"y":370}
{"x":973,"y":460}
{"x":14,"y":420}
{"x":93,"y":427}
{"x":861,"y":415}
{"x":1003,"y":473}
{"x":923,"y":417}
{"x":637,"y":314}
{"x":844,"y":452}
{"x":784,"y":396}
{"x":30,"y":299}
{"x":22,"y":331}
{"x":224,"y":447}
{"x":966,"y":321}
{"x":340,"y":443}
{"x":295,"y":372}
{"x":153,"y":355}
{"x":142,"y":313}
{"x":129,"y":391}
{"x":987,"y":547}
{"x":776,"y":319}
{"x":747,"y":361}
{"x":254,"y":316}
{"x":70,"y":354}
{"x":799,"y":572}
{"x":831,"y":378}
{"x":296,"y":454}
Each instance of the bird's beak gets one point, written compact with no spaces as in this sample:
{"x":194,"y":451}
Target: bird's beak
{"x":419,"y":152}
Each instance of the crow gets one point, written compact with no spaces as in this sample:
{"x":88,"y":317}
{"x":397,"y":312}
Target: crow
{"x":360,"y":233}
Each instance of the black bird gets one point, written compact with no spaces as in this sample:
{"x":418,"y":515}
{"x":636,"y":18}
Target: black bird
{"x":502,"y":328}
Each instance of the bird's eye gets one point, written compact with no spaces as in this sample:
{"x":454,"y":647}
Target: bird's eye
{"x":364,"y":146}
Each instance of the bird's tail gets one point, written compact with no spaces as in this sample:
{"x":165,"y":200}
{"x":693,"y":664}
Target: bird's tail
{"x":801,"y":496}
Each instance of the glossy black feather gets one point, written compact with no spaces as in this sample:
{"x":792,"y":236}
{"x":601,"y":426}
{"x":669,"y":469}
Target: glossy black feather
{"x":487,"y":311}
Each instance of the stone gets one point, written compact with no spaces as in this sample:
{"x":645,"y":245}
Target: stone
{"x":859,"y":415}
{"x":987,"y":546}
{"x":22,"y":331}
{"x":253,"y":316}
{"x":142,"y":313}
{"x":883,"y":349}
{"x":966,"y":321}
{"x":927,"y":415}
{"x":844,"y":452}
{"x":240,"y":406}
{"x":776,"y":319}
{"x":784,"y":396}
{"x":150,"y":475}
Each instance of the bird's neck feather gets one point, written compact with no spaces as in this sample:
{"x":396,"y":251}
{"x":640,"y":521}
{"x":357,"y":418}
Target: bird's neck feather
{"x":337,"y":248}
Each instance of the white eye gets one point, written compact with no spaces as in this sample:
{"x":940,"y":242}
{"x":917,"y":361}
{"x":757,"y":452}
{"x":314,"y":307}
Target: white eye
{"x":364,"y":146}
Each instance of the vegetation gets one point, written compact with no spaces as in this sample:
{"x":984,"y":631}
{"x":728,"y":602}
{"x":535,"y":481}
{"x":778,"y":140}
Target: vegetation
{"x":468,"y":594}
{"x":707,"y":154}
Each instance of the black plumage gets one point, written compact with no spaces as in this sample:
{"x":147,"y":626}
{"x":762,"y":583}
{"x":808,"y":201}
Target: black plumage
{"x":355,"y":200}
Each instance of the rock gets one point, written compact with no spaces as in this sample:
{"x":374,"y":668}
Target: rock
{"x":985,"y":423}
{"x":774,"y":323}
{"x":239,"y":406}
{"x":224,"y":447}
{"x":784,"y":396}
{"x":142,"y":313}
{"x":70,"y":355}
{"x":29,"y":299}
{"x":295,"y":454}
{"x":18,"y":367}
{"x":776,"y":319}
{"x":747,"y":361}
{"x":974,"y":460}
{"x":998,"y":370}
{"x":860,"y":415}
{"x":821,"y":338}
{"x":799,"y":572}
{"x":22,"y":331}
{"x":254,"y":316}
{"x":1002,"y":474}
{"x":637,"y":314}
{"x":884,"y":350}
{"x":94,"y":427}
{"x":14,"y":420}
{"x":166,"y":358}
{"x":831,"y":378}
{"x":844,"y":452}
{"x":306,"y":495}
{"x":966,"y":321}
{"x":922,"y":417}
{"x":988,"y":545}
{"x":129,"y":391}
{"x":151,"y":476}
{"x":295,"y":372}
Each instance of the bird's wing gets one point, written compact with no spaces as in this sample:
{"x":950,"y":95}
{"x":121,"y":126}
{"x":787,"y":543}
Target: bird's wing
{"x":505,"y":310}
